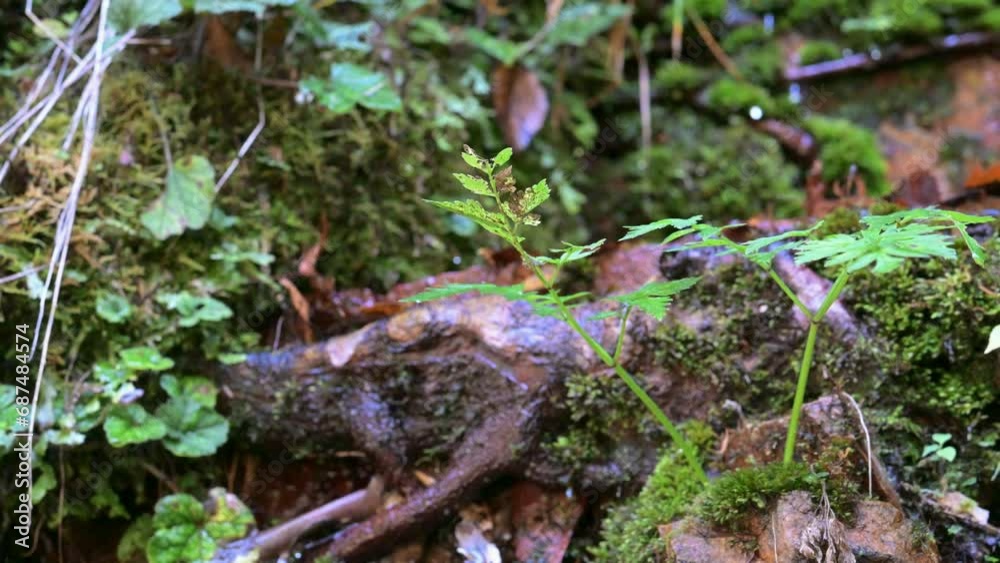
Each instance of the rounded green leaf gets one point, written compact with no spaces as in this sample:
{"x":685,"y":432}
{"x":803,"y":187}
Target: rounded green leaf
{"x":132,"y":424}
{"x":145,"y":358}
{"x":113,"y":308}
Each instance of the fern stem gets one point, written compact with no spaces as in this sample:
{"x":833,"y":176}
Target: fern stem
{"x":687,"y":448}
{"x":806,"y":364}
{"x":621,"y":333}
{"x":791,"y":294}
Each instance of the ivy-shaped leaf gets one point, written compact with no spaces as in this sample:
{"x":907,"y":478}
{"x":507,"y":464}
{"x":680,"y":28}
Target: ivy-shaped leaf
{"x":229,"y":519}
{"x":113,"y":308}
{"x":184,"y":531}
{"x":200,"y":389}
{"x":132,"y":424}
{"x":187,"y":201}
{"x":180,"y":536}
{"x":194,"y":309}
{"x":193,"y":430}
{"x":350,"y":85}
{"x":144,"y":358}
{"x":124,"y":15}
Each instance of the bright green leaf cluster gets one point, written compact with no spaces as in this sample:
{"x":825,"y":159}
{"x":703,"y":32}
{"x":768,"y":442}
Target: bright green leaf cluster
{"x":887,"y":241}
{"x":184,"y":530}
{"x":653,"y":298}
{"x":187,"y":422}
{"x":350,"y":85}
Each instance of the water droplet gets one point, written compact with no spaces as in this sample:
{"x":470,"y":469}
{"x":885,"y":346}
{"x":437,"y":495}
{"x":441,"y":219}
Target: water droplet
{"x":795,"y":93}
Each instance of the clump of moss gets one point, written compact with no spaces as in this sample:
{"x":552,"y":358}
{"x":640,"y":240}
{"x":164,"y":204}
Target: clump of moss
{"x":818,"y":51}
{"x":843,"y":144}
{"x":743,"y":36}
{"x":709,"y":9}
{"x":990,"y":19}
{"x":733,"y":96}
{"x":907,"y":18}
{"x":839,"y":221}
{"x":630,"y":531}
{"x":680,"y":78}
{"x":695,"y":171}
{"x":962,"y":6}
{"x":823,"y":11}
{"x":737,"y":496}
{"x":602,"y":411}
{"x":761,"y":65}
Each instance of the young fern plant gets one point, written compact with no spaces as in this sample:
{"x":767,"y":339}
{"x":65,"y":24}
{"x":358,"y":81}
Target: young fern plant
{"x":508,"y":210}
{"x":884,"y":244}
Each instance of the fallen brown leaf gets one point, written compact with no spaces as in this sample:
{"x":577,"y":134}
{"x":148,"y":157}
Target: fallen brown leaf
{"x":521,"y":104}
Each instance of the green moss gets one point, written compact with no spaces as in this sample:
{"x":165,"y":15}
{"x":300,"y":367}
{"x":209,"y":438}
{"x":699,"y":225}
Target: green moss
{"x":708,"y":9}
{"x":818,"y":51}
{"x":680,"y":78}
{"x":961,"y":6}
{"x":822,"y":11}
{"x":761,"y":65}
{"x":602,"y":411}
{"x":732,"y":96}
{"x":990,"y":19}
{"x":743,"y":36}
{"x":839,"y":221}
{"x":630,"y":531}
{"x":734,"y":498}
{"x":907,"y":18}
{"x":695,"y":171}
{"x":843,"y":144}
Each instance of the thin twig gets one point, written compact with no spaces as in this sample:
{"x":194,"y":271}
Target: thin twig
{"x":645,"y":111}
{"x":155,"y":472}
{"x":29,"y":11}
{"x":21,"y":274}
{"x":871,"y":61}
{"x":261,"y":114}
{"x":868,"y":438}
{"x":67,"y":217}
{"x":713,"y":46}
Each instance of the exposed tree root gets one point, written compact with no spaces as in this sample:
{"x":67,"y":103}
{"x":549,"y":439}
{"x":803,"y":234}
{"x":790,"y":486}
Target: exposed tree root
{"x":870,"y":61}
{"x":477,"y":376}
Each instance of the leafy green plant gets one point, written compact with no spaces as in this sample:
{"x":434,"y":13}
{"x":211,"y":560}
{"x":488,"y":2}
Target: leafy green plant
{"x":939,"y":449}
{"x":883,"y":244}
{"x":184,"y":530}
{"x":512,"y":209}
{"x":187,"y":422}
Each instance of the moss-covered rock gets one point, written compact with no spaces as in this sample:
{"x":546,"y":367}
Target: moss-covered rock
{"x":630,"y":532}
{"x":732,"y":96}
{"x":818,"y":51}
{"x":844,"y":144}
